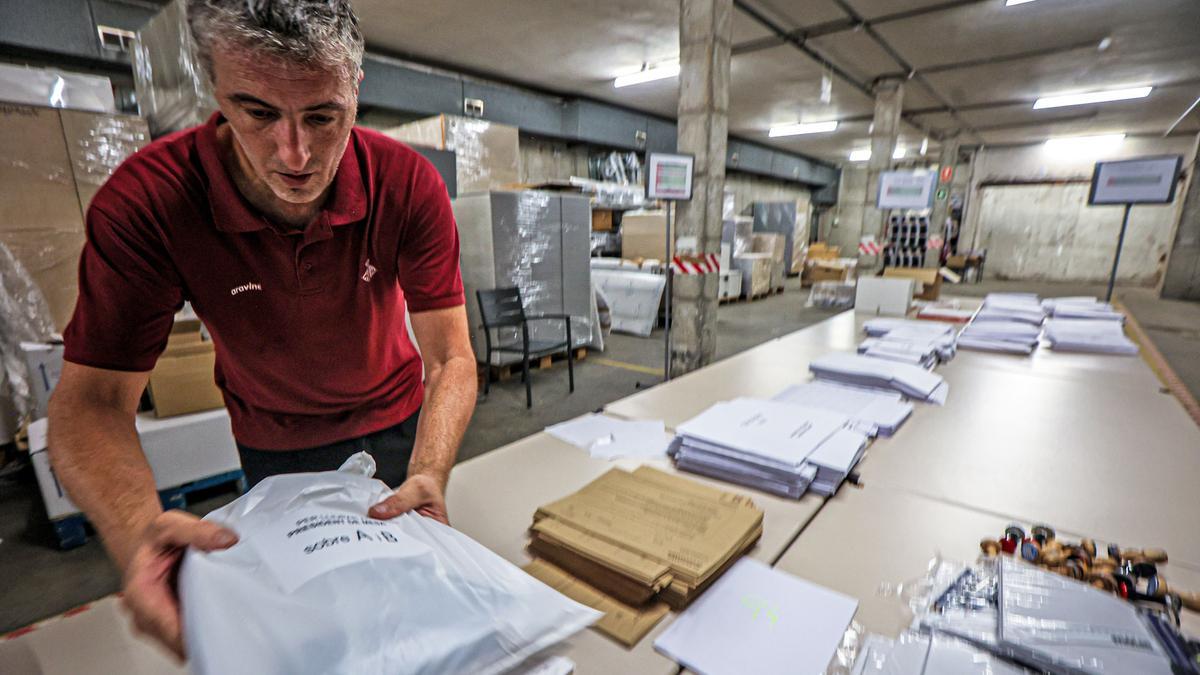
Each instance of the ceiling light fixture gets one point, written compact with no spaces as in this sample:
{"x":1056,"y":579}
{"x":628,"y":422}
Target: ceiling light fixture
{"x":803,"y":128}
{"x":924,"y":146}
{"x":865,"y":154}
{"x":1010,"y":3}
{"x":1091,"y":97}
{"x":1079,"y":146}
{"x":661,"y":71}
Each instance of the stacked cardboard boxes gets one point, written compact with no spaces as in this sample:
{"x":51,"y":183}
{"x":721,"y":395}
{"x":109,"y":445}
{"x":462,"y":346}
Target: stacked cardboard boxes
{"x":644,"y":235}
{"x":756,"y":273}
{"x":786,"y":219}
{"x":51,"y":164}
{"x":929,"y":280}
{"x":775,"y":246}
{"x":642,"y":539}
{"x":182,"y":380}
{"x":487,"y":153}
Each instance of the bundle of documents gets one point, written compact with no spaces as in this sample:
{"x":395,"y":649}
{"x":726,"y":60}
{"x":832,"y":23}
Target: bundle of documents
{"x":947,"y":313}
{"x":781,"y":448}
{"x":1081,"y":308}
{"x":1102,"y":336}
{"x":1023,"y":307}
{"x":1050,"y":622}
{"x":871,"y":411}
{"x":629,"y":541}
{"x":759,"y":620}
{"x":607,"y":437}
{"x":912,"y":381}
{"x":920,"y":343}
{"x":1010,"y":337}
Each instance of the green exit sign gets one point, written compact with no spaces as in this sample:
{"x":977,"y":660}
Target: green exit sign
{"x":941,"y":194}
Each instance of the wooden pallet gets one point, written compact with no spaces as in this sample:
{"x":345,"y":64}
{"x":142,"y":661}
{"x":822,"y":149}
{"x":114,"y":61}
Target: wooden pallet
{"x":502,"y":373}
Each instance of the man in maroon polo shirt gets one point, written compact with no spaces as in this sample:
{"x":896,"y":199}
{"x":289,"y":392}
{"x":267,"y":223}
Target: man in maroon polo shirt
{"x":299,"y":240}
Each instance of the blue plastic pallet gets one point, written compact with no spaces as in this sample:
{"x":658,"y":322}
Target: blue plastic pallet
{"x":72,"y":530}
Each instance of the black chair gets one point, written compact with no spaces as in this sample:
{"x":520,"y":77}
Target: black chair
{"x":502,"y":308}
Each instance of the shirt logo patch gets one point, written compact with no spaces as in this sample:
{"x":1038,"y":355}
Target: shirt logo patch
{"x":245,"y":287}
{"x":368,"y":271}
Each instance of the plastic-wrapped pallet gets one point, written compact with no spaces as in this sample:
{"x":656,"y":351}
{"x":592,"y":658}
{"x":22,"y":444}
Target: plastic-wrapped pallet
{"x":756,"y":273}
{"x":315,"y":586}
{"x":172,"y":91}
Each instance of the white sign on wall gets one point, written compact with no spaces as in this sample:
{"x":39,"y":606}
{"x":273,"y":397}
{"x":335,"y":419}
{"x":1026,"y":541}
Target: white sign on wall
{"x":906,"y":189}
{"x":669,"y":177}
{"x":1149,"y":180}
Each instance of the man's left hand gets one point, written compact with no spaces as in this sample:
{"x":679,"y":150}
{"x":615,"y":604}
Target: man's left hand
{"x":419,"y":493}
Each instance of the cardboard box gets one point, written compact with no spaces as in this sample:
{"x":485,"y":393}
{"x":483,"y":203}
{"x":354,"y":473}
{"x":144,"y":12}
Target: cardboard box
{"x":182,"y":380}
{"x":825,"y":270}
{"x":180,"y":450}
{"x":774,"y":245}
{"x":657,"y":535}
{"x":930,"y":280}
{"x":43,"y":363}
{"x":488,"y":154}
{"x":956,"y":262}
{"x":883,"y":297}
{"x":51,"y":163}
{"x":820,"y":250}
{"x":756,"y":273}
{"x":602,"y":220}
{"x":644,"y":235}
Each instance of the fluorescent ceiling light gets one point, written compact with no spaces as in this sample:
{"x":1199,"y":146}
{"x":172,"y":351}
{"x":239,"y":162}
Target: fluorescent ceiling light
{"x":1010,"y":3}
{"x":803,"y":128}
{"x":1092,"y":97}
{"x":1075,"y":146}
{"x":661,"y":71}
{"x":865,"y":154}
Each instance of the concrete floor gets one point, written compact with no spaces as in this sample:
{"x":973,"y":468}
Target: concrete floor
{"x":41,"y":581}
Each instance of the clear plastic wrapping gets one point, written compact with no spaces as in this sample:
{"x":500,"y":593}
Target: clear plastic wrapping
{"x":56,"y":88}
{"x":24,"y":317}
{"x":172,"y":90}
{"x":98,"y":144}
{"x":738,"y":232}
{"x":486,"y":154}
{"x":832,"y":294}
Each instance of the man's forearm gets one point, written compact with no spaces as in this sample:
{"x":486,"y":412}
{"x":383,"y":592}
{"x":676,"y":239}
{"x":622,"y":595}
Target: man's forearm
{"x":97,"y":456}
{"x":449,"y":401}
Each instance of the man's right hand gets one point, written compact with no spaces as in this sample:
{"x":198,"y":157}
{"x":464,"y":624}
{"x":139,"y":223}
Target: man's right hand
{"x":150,"y":588}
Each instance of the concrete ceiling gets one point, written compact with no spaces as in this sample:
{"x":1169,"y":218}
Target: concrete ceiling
{"x":979,"y":65}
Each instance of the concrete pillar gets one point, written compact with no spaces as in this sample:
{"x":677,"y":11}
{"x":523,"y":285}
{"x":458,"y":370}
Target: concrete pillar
{"x":1182,"y":279}
{"x":941,"y":207}
{"x":705,"y":34}
{"x":889,"y":98}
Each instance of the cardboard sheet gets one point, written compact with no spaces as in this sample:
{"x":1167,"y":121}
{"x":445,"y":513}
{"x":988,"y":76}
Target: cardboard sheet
{"x":623,"y":623}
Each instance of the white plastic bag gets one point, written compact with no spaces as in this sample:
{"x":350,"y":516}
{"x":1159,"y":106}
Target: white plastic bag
{"x":315,"y":586}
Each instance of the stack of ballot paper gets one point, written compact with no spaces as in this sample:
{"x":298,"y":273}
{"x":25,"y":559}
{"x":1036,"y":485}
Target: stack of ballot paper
{"x":1023,"y":307}
{"x":780,"y":448}
{"x":902,"y":336}
{"x":645,"y":536}
{"x":759,"y":620}
{"x":1102,"y":336}
{"x":1081,"y":308}
{"x":912,"y":381}
{"x":871,"y":411}
{"x":1010,"y":337}
{"x":607,"y":437}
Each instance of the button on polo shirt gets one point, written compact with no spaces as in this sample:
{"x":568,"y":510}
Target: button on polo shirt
{"x":308,"y":326}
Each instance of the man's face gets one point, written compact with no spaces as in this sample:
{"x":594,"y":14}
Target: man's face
{"x":291,"y":123}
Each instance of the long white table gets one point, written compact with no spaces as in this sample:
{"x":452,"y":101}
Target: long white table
{"x":1086,"y":443}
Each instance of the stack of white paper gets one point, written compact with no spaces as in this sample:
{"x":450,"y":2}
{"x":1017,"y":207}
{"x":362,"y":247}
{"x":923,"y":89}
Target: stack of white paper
{"x":610,"y":438}
{"x":1011,"y":337}
{"x":1102,"y":336}
{"x":917,"y":342}
{"x":1023,"y":307}
{"x":756,"y":619}
{"x":871,"y":411}
{"x":912,"y":381}
{"x":779,"y":448}
{"x":1081,"y":308}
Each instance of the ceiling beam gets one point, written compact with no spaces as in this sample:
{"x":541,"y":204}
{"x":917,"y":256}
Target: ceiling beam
{"x":1003,"y":58}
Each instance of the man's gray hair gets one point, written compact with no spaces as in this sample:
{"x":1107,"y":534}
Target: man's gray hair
{"x":317,"y":33}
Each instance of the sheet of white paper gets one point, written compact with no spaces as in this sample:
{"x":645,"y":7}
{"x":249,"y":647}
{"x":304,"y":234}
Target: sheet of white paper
{"x":756,"y":619}
{"x":315,"y":540}
{"x":610,"y":438}
{"x":776,"y":431}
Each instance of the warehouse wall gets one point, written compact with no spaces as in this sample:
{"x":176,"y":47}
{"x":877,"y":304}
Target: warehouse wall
{"x":748,"y":189}
{"x":1046,"y":231}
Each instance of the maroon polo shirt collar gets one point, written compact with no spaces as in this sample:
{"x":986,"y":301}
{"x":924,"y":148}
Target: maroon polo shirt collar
{"x":232,"y":213}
